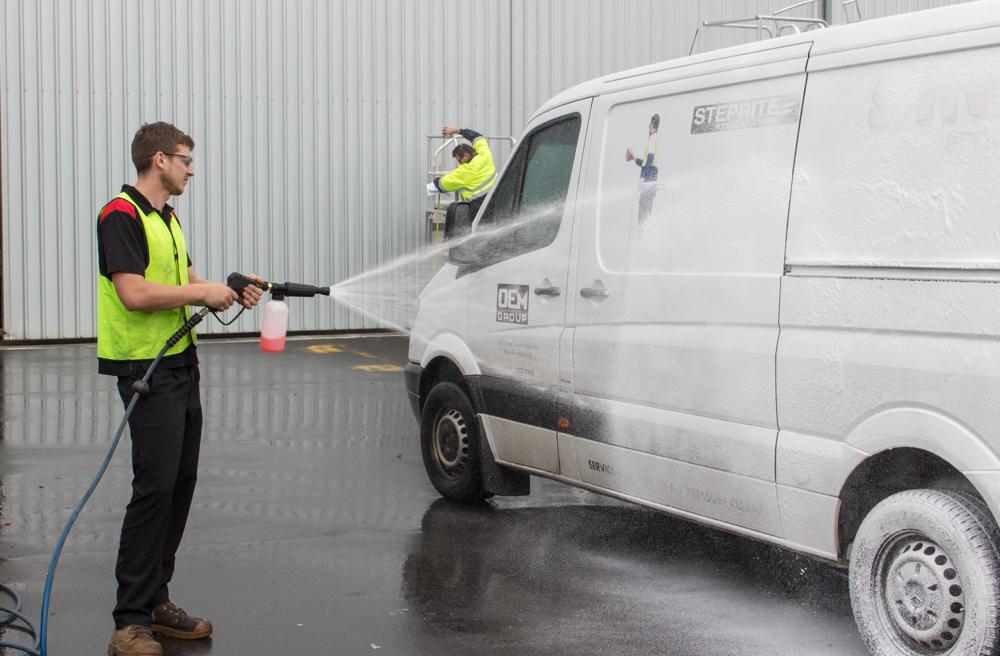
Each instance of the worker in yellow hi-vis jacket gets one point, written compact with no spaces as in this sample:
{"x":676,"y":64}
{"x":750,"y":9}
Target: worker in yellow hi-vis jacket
{"x":475,"y":174}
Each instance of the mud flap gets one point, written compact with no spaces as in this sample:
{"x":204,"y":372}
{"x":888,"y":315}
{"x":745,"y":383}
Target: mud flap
{"x":497,"y":479}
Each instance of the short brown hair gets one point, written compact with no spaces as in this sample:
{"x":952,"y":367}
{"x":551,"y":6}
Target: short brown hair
{"x":154,"y":138}
{"x":463,"y":149}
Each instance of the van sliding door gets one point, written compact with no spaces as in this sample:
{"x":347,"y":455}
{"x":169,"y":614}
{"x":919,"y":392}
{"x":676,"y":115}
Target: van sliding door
{"x":676,"y":287}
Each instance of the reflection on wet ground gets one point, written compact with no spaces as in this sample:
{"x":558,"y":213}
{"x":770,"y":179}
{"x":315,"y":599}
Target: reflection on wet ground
{"x":314,"y":530}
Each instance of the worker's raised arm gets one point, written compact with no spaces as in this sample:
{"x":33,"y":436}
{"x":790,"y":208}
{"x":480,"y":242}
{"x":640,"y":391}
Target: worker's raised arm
{"x":471,"y":135}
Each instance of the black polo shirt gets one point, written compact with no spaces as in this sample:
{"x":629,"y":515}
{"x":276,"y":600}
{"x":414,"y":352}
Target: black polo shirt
{"x":122,"y":248}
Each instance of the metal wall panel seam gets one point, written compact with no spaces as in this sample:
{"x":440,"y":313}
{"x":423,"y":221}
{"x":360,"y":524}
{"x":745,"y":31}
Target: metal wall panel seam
{"x":312,"y":215}
{"x":35,"y":279}
{"x":55,"y":326}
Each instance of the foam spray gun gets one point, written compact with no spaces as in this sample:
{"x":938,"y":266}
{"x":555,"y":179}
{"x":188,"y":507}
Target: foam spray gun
{"x":272,"y":338}
{"x":275,"y":326}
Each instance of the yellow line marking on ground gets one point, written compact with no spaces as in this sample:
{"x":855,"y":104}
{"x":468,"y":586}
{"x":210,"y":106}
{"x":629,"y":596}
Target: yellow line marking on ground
{"x":379,"y":368}
{"x":366,"y":355}
{"x":325,"y":348}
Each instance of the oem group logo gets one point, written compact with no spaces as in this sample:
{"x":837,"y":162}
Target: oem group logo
{"x":512,"y":303}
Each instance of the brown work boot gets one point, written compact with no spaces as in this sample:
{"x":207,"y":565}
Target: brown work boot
{"x":173,"y":622}
{"x":134,"y":640}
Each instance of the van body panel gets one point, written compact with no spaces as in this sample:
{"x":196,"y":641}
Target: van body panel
{"x":711,"y":369}
{"x":931,"y":430}
{"x":880,"y":364}
{"x":522,"y":443}
{"x":909,"y":47}
{"x":736,"y":500}
{"x":525,"y":403}
{"x":441,"y":322}
{"x":566,"y":354}
{"x":898,"y":170}
{"x":810,"y":518}
{"x":772,"y":52}
{"x":713,"y":443}
{"x":814,"y":463}
{"x":451,"y":346}
{"x":914,"y":27}
{"x":568,"y":463}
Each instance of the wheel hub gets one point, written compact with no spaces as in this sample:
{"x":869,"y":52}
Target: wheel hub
{"x":451,"y":442}
{"x":924,"y":595}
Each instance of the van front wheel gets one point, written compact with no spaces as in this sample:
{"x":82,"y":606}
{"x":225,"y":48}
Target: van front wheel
{"x":925,"y":576}
{"x":449,"y":442}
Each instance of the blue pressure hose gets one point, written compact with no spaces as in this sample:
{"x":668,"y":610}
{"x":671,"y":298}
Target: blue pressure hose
{"x":40,"y":646}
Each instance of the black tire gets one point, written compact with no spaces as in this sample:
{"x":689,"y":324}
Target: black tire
{"x":925,"y":576}
{"x":449,"y":442}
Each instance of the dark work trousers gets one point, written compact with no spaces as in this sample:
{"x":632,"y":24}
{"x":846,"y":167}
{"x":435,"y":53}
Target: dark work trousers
{"x":475,"y":204}
{"x":165,"y":428}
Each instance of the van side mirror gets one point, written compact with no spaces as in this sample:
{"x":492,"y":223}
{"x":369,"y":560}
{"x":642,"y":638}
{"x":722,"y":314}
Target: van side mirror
{"x":458,"y":218}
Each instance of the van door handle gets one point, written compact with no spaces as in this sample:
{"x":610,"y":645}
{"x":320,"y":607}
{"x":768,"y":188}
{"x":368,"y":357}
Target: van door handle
{"x":547,"y":291}
{"x":594,"y":292}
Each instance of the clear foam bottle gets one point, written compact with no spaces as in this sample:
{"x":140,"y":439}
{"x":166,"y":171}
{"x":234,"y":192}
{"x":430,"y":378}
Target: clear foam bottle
{"x":272,"y":333}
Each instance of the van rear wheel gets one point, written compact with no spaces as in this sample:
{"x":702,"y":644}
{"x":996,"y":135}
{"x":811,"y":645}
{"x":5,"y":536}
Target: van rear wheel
{"x":449,"y":442}
{"x":925,"y":576}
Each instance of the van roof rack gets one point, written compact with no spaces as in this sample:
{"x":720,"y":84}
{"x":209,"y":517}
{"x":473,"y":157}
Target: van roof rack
{"x":777,"y":23}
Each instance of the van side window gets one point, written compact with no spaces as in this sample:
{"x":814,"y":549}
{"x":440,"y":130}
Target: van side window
{"x":529,"y":199}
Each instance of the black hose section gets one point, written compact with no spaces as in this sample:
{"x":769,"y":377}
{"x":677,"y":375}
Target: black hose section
{"x":226,"y":323}
{"x":14,"y":615}
{"x":183,"y":330}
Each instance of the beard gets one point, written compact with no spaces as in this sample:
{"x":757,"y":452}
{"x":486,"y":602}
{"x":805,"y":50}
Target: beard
{"x":171,"y":186}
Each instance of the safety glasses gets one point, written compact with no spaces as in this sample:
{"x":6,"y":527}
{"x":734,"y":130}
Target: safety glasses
{"x":186,"y":159}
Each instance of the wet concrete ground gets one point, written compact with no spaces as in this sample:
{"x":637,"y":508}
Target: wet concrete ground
{"x":315,"y":531}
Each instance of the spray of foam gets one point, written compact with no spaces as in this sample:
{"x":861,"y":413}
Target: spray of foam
{"x":388,"y":294}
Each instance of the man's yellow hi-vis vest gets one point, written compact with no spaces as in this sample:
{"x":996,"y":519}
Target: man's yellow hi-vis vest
{"x":474,"y":178}
{"x":124,"y":334}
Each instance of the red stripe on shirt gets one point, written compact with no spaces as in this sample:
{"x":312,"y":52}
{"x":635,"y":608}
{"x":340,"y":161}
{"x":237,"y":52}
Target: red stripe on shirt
{"x":117,"y":205}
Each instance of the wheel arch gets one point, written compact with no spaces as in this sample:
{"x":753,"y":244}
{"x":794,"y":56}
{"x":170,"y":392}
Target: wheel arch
{"x":451,"y":347}
{"x":443,"y":369}
{"x":913,"y":447}
{"x":447,"y":358}
{"x":887,"y":472}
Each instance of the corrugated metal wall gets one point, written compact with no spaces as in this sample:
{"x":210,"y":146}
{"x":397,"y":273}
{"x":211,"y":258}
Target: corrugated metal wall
{"x":310,"y":119}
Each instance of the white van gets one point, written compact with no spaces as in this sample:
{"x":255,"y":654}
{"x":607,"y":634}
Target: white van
{"x":790,"y":329}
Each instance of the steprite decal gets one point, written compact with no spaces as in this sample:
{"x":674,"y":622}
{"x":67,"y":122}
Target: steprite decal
{"x":512,"y":303}
{"x":743,"y":114}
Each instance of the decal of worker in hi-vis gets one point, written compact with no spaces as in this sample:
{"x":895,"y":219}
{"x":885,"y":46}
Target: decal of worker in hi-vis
{"x":648,"y":169}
